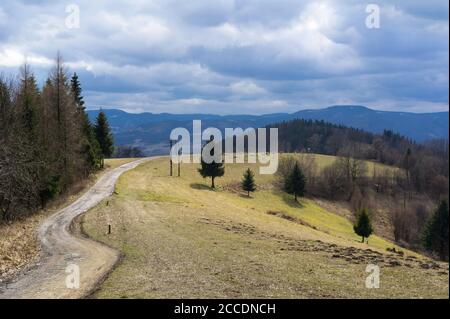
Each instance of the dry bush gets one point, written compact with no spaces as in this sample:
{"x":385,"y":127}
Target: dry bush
{"x":384,"y":181}
{"x":357,"y":201}
{"x":408,"y":222}
{"x":332,"y":182}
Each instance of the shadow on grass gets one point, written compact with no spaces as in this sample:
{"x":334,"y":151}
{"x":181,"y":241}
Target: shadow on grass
{"x":200,"y":186}
{"x":289,"y":199}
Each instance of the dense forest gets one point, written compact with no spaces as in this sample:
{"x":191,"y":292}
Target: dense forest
{"x":47,"y":143}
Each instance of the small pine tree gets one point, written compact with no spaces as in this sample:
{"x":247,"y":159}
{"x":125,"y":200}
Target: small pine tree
{"x":295,"y":183}
{"x":104,"y":137}
{"x":363,"y":226}
{"x":435,"y":237}
{"x":248,"y":182}
{"x":212,"y":169}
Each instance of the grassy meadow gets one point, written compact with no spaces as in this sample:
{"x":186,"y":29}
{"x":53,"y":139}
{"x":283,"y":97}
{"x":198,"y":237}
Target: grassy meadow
{"x":181,"y":239}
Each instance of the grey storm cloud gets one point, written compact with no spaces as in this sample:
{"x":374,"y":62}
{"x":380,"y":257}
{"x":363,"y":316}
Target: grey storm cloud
{"x":237,"y":56}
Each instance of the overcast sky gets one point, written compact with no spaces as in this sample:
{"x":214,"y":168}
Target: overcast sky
{"x":237,"y":56}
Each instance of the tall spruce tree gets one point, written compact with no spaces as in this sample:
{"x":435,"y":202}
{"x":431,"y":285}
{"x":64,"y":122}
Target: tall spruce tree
{"x":28,"y":105}
{"x":51,"y":183}
{"x":76,"y":91}
{"x":90,"y":145}
{"x":68,"y":153}
{"x":295,"y":182}
{"x":5,"y":106}
{"x":248,"y":182}
{"x":436,"y":232}
{"x":363,"y":226}
{"x":213,"y":169}
{"x":104,"y":137}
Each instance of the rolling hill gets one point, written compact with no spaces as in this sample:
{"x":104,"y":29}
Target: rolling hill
{"x":181,"y":239}
{"x":150,"y":131}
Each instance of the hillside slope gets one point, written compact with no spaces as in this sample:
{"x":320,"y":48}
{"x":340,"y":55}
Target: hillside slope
{"x":183,"y":240}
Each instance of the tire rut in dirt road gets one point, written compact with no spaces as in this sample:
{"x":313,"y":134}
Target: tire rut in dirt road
{"x":60,"y":248}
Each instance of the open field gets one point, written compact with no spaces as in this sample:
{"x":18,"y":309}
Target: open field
{"x":18,"y":244}
{"x":182,"y":240}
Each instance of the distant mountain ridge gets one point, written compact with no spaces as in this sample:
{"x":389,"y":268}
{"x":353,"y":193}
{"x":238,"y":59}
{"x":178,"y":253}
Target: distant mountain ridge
{"x":150,"y":131}
{"x":417,"y":126}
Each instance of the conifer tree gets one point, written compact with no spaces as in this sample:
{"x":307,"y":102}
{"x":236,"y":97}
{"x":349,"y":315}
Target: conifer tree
{"x":295,"y":183}
{"x":248,"y":182}
{"x":76,"y":91}
{"x":213,"y":169}
{"x":68,"y":129}
{"x":28,"y":105}
{"x":5,"y":107}
{"x":104,"y":137}
{"x":436,"y":232}
{"x":363,"y":226}
{"x":90,"y":145}
{"x":49,"y":138}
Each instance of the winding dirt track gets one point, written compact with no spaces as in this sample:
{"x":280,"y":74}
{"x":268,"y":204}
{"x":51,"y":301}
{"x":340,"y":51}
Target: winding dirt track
{"x":60,"y":248}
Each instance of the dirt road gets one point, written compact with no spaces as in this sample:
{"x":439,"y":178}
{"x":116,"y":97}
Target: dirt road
{"x":65,"y":255}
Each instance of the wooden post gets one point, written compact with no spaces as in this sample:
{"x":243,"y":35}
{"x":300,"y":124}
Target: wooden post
{"x":179,"y":163}
{"x":170,"y":157}
{"x":109,"y":229}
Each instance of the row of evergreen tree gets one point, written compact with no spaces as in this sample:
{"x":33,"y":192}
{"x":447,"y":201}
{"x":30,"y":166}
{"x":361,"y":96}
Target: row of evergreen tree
{"x":47,"y":142}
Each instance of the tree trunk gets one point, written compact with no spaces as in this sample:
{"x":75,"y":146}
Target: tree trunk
{"x":212,"y":182}
{"x":362,"y":239}
{"x":295,"y":197}
{"x":5,"y":211}
{"x":248,"y":193}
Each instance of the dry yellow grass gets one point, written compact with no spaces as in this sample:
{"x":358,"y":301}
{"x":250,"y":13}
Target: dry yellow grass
{"x":183,"y":240}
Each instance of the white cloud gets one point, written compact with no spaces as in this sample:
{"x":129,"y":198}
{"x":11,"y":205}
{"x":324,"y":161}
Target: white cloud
{"x":235,"y":56}
{"x":246,"y":87}
{"x":11,"y":57}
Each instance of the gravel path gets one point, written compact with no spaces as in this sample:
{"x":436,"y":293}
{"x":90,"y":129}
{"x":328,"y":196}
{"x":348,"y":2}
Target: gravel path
{"x":63,"y":253}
